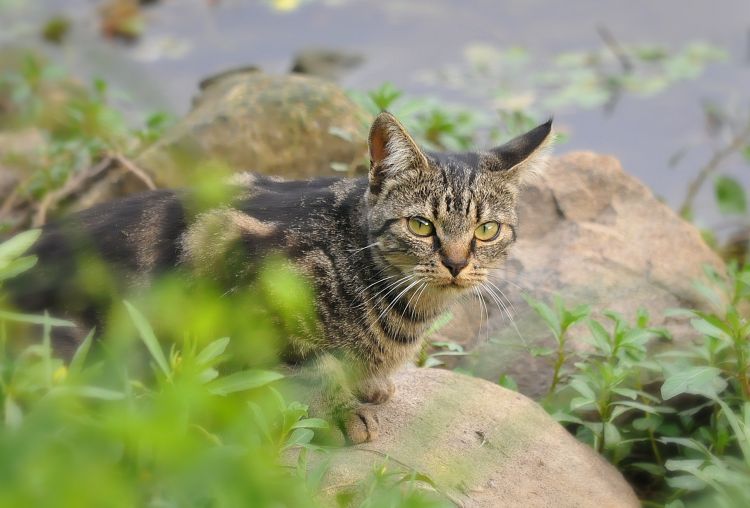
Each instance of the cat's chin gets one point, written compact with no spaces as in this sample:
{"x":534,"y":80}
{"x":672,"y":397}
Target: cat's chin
{"x":454,"y":285}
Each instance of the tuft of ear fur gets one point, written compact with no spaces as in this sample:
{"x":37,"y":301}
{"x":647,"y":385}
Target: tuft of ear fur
{"x":524,"y":155}
{"x":392,"y":150}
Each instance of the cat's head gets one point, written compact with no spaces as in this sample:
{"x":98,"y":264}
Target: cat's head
{"x":446,"y":218}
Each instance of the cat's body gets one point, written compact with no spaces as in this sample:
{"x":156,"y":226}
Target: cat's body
{"x":385,"y":255}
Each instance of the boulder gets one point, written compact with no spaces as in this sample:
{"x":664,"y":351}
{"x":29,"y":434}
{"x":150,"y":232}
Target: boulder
{"x":293,"y":126}
{"x":481,"y":445}
{"x":325,"y":63}
{"x":593,"y":234}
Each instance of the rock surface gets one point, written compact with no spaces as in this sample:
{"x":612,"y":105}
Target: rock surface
{"x":294,"y":126}
{"x":482,"y":445}
{"x":593,"y":234}
{"x":325,"y":63}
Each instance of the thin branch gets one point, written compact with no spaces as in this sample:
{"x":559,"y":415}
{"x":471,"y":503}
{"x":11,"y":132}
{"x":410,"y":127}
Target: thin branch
{"x":9,"y":202}
{"x":622,"y":56}
{"x":72,"y":185}
{"x":737,"y":143}
{"x":138,"y":172}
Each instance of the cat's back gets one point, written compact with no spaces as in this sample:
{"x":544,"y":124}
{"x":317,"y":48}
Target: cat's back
{"x":122,"y":239}
{"x":138,"y":237}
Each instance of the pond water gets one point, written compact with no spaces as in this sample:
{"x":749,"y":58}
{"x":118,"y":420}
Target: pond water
{"x":186,"y":40}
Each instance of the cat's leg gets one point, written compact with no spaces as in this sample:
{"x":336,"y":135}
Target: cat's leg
{"x":328,"y":389}
{"x":375,"y":389}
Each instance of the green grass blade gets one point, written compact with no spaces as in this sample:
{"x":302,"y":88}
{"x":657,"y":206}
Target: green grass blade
{"x":148,"y":337}
{"x":244,"y":380}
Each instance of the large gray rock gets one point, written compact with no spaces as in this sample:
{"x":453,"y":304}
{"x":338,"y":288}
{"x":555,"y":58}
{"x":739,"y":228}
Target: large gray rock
{"x":593,"y":234}
{"x":482,"y":445}
{"x":293,"y":126}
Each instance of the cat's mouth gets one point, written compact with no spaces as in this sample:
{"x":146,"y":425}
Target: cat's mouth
{"x":455,"y":283}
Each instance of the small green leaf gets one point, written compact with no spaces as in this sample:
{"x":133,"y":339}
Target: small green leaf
{"x":212,"y":350}
{"x":310,"y":423}
{"x":581,"y":387}
{"x":13,"y":414}
{"x":710,"y":329}
{"x":33,"y":319}
{"x":653,"y":469}
{"x":79,"y":358}
{"x":89,"y":392}
{"x":507,"y":381}
{"x":546,"y":313}
{"x":16,"y":267}
{"x":299,"y":437}
{"x":705,"y":381}
{"x":730,"y":196}
{"x":147,"y":336}
{"x":14,"y":247}
{"x":244,"y":380}
{"x":261,"y":420}
{"x":600,"y":336}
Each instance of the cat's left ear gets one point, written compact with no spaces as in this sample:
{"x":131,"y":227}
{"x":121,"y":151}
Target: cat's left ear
{"x":522,"y":155}
{"x":392,"y":151}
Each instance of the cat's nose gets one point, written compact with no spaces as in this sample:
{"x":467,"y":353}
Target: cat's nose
{"x":455,"y":265}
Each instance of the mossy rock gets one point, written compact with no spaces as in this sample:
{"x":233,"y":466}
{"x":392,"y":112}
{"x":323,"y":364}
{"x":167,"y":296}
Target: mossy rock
{"x":475,"y":444}
{"x":293,"y":126}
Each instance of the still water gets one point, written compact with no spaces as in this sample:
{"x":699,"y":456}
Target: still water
{"x":186,"y":40}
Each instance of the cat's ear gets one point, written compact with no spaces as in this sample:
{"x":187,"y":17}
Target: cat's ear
{"x":392,"y":150}
{"x":524,"y":154}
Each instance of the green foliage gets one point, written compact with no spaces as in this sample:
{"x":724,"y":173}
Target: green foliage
{"x":78,"y":125}
{"x":204,"y":426}
{"x":434,"y":351}
{"x":677,"y":423}
{"x":577,"y":79}
{"x":558,"y":319}
{"x":730,"y":195}
{"x":434,"y":124}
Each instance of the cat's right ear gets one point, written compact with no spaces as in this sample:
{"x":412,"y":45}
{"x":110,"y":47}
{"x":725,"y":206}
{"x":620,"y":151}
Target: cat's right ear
{"x":392,"y":151}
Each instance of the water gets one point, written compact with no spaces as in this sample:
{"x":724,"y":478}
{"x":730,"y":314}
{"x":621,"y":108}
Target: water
{"x":186,"y":40}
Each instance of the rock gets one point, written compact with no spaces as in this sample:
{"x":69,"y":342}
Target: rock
{"x":293,"y":126}
{"x":482,"y":445}
{"x":593,"y":234}
{"x":325,"y":63}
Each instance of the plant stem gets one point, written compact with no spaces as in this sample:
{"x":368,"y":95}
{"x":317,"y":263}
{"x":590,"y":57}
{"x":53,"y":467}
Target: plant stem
{"x":712,"y":165}
{"x":559,"y":362}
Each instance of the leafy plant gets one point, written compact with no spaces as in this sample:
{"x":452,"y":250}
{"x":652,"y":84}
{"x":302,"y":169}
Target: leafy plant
{"x":558,"y":319}
{"x":77,"y":126}
{"x":434,"y":123}
{"x":675,"y":422}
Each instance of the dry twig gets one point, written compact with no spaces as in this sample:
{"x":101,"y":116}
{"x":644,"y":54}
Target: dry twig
{"x":737,"y":143}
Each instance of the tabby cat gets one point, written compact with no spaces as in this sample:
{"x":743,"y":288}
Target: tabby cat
{"x":385,"y":254}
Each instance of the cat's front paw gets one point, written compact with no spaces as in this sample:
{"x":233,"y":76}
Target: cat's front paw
{"x":377,"y":391}
{"x":361,"y":425}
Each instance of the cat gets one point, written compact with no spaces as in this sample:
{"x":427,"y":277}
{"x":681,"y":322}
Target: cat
{"x":385,"y":254}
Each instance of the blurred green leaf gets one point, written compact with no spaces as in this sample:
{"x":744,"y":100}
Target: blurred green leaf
{"x":212,"y":351}
{"x":148,"y":337}
{"x":730,"y":195}
{"x":244,"y":380}
{"x":702,"y":380}
{"x":33,"y":319}
{"x":17,"y":245}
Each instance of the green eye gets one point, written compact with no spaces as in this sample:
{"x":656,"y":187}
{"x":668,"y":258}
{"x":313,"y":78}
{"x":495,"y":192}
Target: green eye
{"x":487,"y":231}
{"x":421,"y":226}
